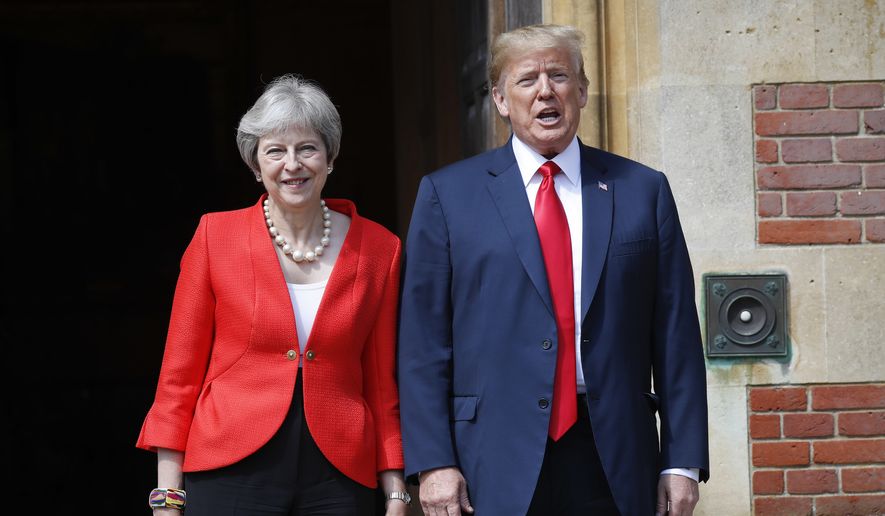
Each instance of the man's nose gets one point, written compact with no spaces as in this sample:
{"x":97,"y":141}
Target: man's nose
{"x":544,"y":89}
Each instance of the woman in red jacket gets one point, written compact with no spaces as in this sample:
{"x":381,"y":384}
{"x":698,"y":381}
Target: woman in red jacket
{"x":277,"y":392}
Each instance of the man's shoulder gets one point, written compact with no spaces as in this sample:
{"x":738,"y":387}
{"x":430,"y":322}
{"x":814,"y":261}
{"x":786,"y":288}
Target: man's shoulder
{"x":619,"y":166}
{"x":466,"y":169}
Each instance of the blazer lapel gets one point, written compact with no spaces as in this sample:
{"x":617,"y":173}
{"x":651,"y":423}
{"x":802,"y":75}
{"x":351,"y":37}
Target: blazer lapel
{"x":508,"y":192}
{"x":597,"y":192}
{"x":273,"y":308}
{"x":338,"y":299}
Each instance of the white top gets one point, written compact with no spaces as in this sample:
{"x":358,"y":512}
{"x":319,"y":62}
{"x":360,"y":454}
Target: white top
{"x":305,"y":302}
{"x":568,"y":188}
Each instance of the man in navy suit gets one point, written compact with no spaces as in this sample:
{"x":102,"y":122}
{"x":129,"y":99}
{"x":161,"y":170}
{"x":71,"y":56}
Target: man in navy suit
{"x":548,"y":315}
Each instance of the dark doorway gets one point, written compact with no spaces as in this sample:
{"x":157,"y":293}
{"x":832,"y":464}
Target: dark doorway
{"x":117,"y":124}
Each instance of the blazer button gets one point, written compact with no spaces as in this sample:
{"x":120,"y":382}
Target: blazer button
{"x":547,"y":344}
{"x":291,"y":354}
{"x":310,"y":354}
{"x":543,"y":403}
{"x":585,"y":340}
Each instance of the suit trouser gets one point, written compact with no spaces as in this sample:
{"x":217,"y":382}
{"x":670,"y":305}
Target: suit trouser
{"x":287,"y":476}
{"x":572,"y":481}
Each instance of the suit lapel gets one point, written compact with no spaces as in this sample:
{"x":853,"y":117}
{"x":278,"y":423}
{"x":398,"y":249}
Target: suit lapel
{"x":508,"y":193}
{"x":597,"y":192}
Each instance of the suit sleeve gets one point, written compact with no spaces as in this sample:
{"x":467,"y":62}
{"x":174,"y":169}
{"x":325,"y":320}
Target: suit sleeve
{"x":379,"y":373}
{"x":425,"y":340}
{"x":188,"y":345}
{"x":679,"y":372}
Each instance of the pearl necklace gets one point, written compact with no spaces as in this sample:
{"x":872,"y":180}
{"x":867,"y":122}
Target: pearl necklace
{"x":297,"y":254}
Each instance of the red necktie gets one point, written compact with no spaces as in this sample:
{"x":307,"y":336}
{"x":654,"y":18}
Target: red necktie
{"x":556,"y":246}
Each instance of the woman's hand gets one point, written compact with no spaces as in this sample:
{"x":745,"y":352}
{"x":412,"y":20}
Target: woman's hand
{"x":396,"y":508}
{"x":392,"y":481}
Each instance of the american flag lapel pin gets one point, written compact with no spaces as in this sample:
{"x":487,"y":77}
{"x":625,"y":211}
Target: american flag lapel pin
{"x":603,"y":186}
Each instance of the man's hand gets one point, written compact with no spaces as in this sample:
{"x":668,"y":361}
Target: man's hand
{"x":677,"y":495}
{"x":443,"y":492}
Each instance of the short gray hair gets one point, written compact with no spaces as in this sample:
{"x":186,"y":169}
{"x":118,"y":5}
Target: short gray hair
{"x":289,"y":101}
{"x":533,"y":37}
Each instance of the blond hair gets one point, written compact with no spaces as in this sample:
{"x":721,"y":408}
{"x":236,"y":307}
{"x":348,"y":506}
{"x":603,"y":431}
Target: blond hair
{"x":534,"y":37}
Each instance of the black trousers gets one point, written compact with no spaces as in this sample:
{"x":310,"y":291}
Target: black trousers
{"x":288,"y":476}
{"x":572,"y":481}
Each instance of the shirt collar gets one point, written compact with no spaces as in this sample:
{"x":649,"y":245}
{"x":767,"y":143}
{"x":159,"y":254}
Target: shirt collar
{"x":529,"y":161}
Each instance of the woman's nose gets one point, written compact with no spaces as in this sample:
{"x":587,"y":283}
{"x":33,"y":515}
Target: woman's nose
{"x":292,"y":162}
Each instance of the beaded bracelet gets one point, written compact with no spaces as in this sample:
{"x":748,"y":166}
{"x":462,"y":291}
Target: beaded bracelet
{"x":168,"y":497}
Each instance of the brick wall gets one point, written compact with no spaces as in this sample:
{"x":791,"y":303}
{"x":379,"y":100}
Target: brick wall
{"x":820,"y":163}
{"x":818,"y":449}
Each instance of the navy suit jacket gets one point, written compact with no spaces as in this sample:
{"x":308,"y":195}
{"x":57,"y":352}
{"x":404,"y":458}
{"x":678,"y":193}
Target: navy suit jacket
{"x":476,"y":309}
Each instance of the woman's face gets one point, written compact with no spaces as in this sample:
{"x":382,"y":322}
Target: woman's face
{"x":294,"y":166}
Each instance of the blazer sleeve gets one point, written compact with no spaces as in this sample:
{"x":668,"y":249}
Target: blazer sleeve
{"x":379,"y":373}
{"x":188,"y":345}
{"x":678,"y":369}
{"x":425,"y":341}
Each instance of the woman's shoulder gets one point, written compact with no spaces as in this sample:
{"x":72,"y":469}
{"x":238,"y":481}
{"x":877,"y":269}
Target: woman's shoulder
{"x":232,"y":216}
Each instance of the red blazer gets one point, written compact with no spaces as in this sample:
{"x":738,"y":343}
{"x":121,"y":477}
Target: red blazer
{"x":228,"y":374}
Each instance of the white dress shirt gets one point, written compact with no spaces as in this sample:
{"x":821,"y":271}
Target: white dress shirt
{"x":568,"y":188}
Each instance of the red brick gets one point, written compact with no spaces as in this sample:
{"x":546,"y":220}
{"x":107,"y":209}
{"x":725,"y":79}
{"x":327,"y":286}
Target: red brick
{"x":788,"y":453}
{"x":808,"y":177}
{"x":863,"y":480}
{"x":766,"y":151}
{"x":766,"y":399}
{"x":862,"y":423}
{"x":764,"y":97}
{"x":812,"y":481}
{"x":808,"y":425}
{"x":869,"y":202}
{"x":806,"y":123}
{"x":852,"y":451}
{"x":857,"y":95}
{"x":782,"y":506}
{"x":861,"y":149}
{"x":874,"y":176}
{"x":861,"y":396}
{"x":807,"y":150}
{"x":824,"y":231}
{"x":874,"y":121}
{"x":768,"y":482}
{"x":806,"y":204}
{"x":857,"y":505}
{"x":875,"y":230}
{"x":803,"y":96}
{"x":765,"y":426}
{"x":769,"y":204}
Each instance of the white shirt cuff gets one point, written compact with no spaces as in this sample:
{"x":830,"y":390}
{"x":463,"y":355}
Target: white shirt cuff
{"x":692,"y":473}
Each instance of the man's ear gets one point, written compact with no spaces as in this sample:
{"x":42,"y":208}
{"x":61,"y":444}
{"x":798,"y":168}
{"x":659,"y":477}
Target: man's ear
{"x":500,"y":102}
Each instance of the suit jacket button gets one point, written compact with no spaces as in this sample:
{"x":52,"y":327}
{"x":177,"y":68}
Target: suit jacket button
{"x":547,"y":344}
{"x":585,"y":340}
{"x":291,"y":354}
{"x":543,"y":403}
{"x":309,"y":355}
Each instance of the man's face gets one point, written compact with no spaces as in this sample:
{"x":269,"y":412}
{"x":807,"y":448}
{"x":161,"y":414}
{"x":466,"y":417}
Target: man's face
{"x":542,"y":94}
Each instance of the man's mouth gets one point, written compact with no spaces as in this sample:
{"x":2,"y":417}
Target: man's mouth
{"x":548,"y":116}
